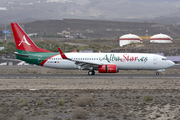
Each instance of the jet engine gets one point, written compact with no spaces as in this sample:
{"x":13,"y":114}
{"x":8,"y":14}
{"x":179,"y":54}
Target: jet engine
{"x":108,"y":69}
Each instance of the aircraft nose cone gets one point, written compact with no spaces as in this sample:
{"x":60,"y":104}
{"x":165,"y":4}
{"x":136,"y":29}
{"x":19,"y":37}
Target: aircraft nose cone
{"x":171,"y":63}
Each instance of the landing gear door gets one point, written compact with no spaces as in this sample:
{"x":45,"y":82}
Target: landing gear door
{"x":155,"y":60}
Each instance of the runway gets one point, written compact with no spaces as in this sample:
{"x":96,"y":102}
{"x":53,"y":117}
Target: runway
{"x":42,"y":72}
{"x":85,"y":76}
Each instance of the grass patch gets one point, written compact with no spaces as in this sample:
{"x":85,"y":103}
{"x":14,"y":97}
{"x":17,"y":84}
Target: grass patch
{"x":148,"y":98}
{"x":39,"y":102}
{"x":84,"y":101}
{"x":61,"y":102}
{"x":22,"y":102}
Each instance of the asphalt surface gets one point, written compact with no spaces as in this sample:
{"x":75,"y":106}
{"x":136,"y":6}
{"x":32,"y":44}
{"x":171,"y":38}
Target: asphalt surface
{"x":84,"y":75}
{"x":71,"y":76}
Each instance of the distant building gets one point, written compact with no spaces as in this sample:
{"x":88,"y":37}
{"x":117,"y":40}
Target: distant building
{"x":32,"y":34}
{"x":3,"y":8}
{"x":128,"y":39}
{"x":1,"y":48}
{"x":161,"y":38}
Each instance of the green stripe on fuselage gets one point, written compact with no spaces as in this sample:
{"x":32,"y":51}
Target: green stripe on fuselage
{"x":35,"y":57}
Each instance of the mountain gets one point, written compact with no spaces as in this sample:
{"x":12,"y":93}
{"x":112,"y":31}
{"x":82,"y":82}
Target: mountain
{"x":15,"y":11}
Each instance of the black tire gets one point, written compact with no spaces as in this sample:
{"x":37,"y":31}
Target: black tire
{"x":91,"y":73}
{"x":157,"y":73}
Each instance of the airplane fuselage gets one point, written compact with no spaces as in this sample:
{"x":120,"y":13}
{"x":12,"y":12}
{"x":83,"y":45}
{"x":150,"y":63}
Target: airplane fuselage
{"x":124,"y":61}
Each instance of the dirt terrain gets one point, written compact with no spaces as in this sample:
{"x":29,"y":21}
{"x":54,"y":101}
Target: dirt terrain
{"x":97,"y":99}
{"x":91,"y":98}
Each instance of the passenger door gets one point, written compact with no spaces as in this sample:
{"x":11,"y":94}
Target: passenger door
{"x":155,"y":60}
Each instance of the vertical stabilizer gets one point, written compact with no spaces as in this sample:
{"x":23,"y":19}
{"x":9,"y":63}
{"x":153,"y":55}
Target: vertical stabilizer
{"x":23,"y":42}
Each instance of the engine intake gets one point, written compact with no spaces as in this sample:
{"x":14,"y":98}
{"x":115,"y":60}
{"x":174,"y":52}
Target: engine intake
{"x":108,"y":69}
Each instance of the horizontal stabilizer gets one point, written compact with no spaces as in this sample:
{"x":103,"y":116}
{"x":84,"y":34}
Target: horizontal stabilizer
{"x":21,"y":55}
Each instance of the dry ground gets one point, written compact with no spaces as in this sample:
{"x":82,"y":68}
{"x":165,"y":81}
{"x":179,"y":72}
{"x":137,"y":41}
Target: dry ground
{"x":90,"y":98}
{"x":95,"y":99}
{"x":89,"y":83}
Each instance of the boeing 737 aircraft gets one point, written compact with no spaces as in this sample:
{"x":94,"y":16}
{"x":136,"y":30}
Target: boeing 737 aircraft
{"x":102,"y":62}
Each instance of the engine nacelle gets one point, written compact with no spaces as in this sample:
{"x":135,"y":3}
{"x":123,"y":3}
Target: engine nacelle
{"x":108,"y":69}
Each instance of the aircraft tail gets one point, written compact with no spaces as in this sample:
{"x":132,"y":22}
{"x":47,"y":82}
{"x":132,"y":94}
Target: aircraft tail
{"x":23,"y":43}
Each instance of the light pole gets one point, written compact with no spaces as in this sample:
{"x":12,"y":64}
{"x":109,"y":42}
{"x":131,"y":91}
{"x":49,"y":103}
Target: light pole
{"x":5,"y":31}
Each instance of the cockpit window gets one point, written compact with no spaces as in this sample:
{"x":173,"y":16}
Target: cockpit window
{"x":164,"y":59}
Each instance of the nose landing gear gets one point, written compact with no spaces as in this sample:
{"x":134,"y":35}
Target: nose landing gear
{"x":157,"y":73}
{"x":161,"y":70}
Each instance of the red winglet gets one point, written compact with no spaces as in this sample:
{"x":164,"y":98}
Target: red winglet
{"x":62,"y":54}
{"x":74,"y":50}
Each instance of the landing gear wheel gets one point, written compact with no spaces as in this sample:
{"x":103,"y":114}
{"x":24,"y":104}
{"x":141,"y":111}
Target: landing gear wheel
{"x":157,"y":73}
{"x":91,"y":73}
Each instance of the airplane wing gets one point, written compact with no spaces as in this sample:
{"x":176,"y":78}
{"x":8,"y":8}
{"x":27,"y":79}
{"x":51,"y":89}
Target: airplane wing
{"x":81,"y":64}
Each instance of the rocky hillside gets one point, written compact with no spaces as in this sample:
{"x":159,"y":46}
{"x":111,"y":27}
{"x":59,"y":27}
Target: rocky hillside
{"x":98,"y":28}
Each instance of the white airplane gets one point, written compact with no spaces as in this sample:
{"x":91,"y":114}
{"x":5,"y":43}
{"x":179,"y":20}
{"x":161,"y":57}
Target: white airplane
{"x":3,"y":64}
{"x":9,"y":59}
{"x":101,"y":62}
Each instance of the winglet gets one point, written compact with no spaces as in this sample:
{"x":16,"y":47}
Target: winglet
{"x":62,"y":54}
{"x":74,"y":50}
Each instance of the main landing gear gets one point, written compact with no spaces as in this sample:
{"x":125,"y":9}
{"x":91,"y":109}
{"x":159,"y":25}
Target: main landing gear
{"x":91,"y":72}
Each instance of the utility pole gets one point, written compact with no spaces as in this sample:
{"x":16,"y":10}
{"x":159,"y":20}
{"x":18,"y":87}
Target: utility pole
{"x":146,"y":31}
{"x":5,"y":31}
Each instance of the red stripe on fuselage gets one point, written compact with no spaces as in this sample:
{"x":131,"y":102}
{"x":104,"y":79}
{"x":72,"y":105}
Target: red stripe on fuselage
{"x":44,"y":61}
{"x":161,"y":39}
